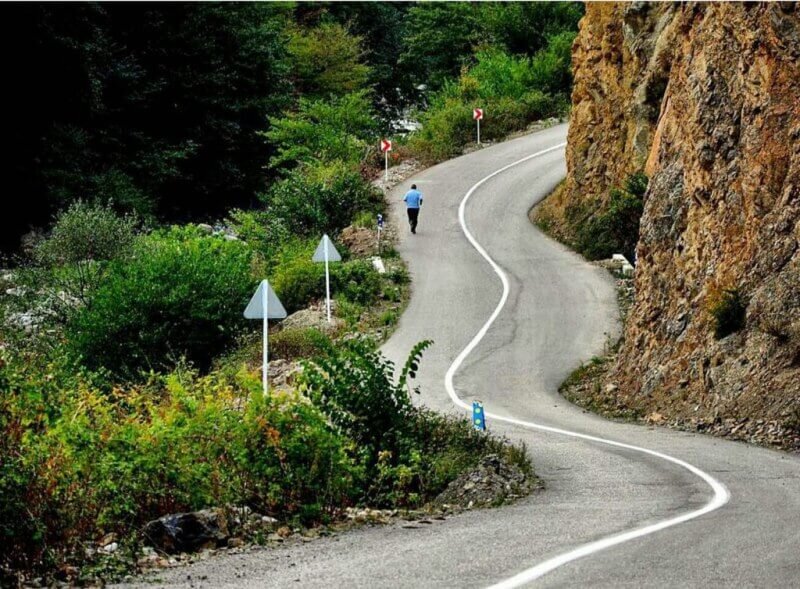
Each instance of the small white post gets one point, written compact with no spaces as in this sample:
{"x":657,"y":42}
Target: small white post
{"x":479,"y":131}
{"x":264,"y":358}
{"x":327,"y":282}
{"x":386,"y":172}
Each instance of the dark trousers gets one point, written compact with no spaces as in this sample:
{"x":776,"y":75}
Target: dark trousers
{"x":413,"y":216}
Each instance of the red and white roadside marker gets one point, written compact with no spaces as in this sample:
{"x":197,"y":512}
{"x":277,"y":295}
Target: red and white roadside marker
{"x":386,"y":147}
{"x":477,"y":114}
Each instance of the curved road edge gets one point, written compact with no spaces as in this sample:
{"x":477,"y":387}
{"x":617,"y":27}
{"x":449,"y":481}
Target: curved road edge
{"x":720,"y":494}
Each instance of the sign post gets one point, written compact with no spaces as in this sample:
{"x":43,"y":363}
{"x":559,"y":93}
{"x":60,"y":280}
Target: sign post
{"x":264,"y":305}
{"x":326,"y":252}
{"x":477,"y":114}
{"x":380,"y":230}
{"x":386,"y":147}
{"x":478,"y":418}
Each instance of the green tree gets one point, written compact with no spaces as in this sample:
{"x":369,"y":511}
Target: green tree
{"x":524,"y":28}
{"x":326,"y":60}
{"x":336,"y":129}
{"x":439,"y":39}
{"x":155,"y":106}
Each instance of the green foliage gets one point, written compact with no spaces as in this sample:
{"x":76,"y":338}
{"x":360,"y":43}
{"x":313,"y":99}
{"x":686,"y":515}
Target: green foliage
{"x":181,"y":294}
{"x":294,"y":343}
{"x":357,"y":281}
{"x":524,"y":28}
{"x":504,"y":85}
{"x":450,"y":446}
{"x":84,"y":237}
{"x":298,"y":281}
{"x":320,"y":197}
{"x":340,"y":129}
{"x":729,"y":313}
{"x":442,"y":37}
{"x":615,"y":230}
{"x":551,"y":68}
{"x":439,"y":38}
{"x":327,"y":60}
{"x":264,"y":233}
{"x":113,"y":460}
{"x":354,"y":385}
{"x":636,"y":184}
{"x":144,"y":107}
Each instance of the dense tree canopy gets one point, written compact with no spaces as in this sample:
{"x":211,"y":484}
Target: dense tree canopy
{"x":153,"y":106}
{"x":164,"y":109}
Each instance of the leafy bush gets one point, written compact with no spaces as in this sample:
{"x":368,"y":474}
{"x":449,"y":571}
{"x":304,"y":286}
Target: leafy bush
{"x":291,"y":344}
{"x":354,"y":385}
{"x":327,"y":60}
{"x":729,"y":313}
{"x":336,"y":129}
{"x":263,"y":232}
{"x":615,"y":230}
{"x":84,"y":237}
{"x":551,"y":68}
{"x":180,"y":294}
{"x":112,"y":461}
{"x":507,"y":87}
{"x":449,"y":446}
{"x":357,"y":281}
{"x":298,"y":281}
{"x":320,"y":198}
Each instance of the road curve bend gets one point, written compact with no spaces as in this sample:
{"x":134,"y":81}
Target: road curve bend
{"x":512,"y":313}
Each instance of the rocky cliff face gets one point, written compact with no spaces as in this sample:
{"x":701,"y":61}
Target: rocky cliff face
{"x":706,"y":99}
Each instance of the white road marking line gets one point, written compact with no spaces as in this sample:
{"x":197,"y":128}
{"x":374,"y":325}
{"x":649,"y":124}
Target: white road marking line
{"x":721,"y":494}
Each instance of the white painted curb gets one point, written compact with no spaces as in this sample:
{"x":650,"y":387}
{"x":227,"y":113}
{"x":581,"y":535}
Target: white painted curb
{"x":720,"y":497}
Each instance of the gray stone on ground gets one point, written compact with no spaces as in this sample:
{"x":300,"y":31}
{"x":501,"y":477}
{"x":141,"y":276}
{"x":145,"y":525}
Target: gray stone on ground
{"x":188,"y":532}
{"x":492,"y":482}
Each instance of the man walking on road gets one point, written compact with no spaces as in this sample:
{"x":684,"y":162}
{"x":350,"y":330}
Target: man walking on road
{"x":413,"y":200}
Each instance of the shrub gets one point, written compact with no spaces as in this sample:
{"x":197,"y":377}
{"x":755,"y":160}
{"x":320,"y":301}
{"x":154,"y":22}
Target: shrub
{"x":291,"y":344}
{"x":263,"y":232}
{"x":354,"y":385}
{"x":113,"y":460}
{"x":507,"y":87}
{"x":327,"y":60}
{"x":181,"y":294}
{"x":616,"y":230}
{"x":298,"y":281}
{"x":357,"y":281}
{"x":324,"y":130}
{"x":729,"y":313}
{"x":320,"y":198}
{"x":84,"y":237}
{"x":551,"y":68}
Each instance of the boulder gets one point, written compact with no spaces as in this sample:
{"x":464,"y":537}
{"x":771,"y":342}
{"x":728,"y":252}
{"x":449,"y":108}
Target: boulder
{"x":188,"y":532}
{"x":492,"y":482}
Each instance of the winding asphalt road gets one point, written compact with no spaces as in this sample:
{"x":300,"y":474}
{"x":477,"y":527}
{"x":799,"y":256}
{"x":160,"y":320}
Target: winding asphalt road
{"x":611,"y":515}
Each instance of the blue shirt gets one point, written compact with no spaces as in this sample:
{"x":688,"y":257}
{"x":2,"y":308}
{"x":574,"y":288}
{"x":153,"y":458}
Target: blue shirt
{"x":413,"y":199}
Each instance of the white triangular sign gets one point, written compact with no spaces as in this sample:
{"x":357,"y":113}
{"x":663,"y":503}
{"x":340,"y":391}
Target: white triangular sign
{"x":319,"y":254}
{"x":255,"y":308}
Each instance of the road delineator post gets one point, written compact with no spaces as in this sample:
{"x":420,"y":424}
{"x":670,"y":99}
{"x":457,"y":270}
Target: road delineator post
{"x":478,"y":417}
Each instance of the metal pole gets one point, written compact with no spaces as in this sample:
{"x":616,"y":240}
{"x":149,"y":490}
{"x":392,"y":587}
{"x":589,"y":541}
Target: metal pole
{"x":327,"y":281}
{"x":265,"y":359}
{"x":479,"y":131}
{"x":386,"y":173}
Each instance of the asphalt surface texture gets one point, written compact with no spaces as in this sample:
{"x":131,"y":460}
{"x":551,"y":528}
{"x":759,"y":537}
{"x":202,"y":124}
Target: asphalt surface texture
{"x":560,"y":311}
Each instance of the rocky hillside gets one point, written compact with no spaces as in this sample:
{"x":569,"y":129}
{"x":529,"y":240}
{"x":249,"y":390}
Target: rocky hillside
{"x":705,"y":98}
